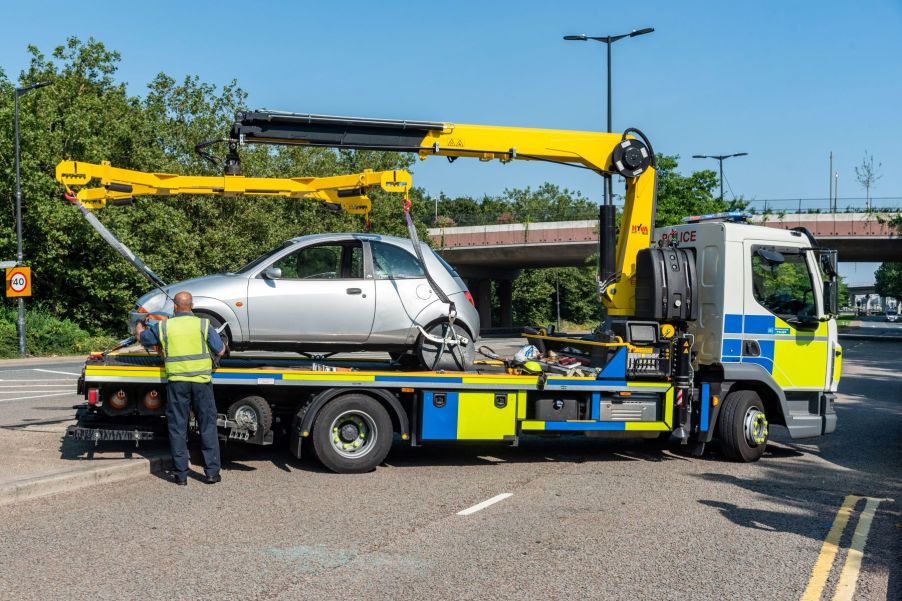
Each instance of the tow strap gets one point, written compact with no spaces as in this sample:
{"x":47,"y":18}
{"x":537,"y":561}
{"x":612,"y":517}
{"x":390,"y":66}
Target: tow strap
{"x":450,"y":338}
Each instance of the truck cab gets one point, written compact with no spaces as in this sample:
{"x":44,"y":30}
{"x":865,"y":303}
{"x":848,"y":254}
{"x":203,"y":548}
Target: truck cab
{"x":766,"y":301}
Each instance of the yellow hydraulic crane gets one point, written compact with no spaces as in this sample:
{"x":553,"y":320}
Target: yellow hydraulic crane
{"x":620,"y":154}
{"x":117,"y":186}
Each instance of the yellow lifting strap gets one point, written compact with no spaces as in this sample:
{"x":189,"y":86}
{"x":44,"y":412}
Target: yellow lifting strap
{"x":344,"y":192}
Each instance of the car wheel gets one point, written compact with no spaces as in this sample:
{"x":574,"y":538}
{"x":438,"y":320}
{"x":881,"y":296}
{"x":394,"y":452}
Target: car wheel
{"x":352,"y":434}
{"x":215,"y":323}
{"x":451,"y":358}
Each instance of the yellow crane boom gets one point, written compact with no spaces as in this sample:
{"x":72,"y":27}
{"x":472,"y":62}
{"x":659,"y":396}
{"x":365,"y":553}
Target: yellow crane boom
{"x":114,"y":184}
{"x":604,"y":153}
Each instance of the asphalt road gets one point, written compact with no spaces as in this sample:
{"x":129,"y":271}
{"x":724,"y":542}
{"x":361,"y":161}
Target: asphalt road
{"x":597,"y":519}
{"x":38,"y":392}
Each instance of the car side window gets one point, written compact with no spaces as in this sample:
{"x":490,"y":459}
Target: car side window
{"x":393,"y":263}
{"x":783,"y":288}
{"x":312,"y":263}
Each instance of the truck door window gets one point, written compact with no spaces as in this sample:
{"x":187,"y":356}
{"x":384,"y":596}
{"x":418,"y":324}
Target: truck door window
{"x":393,"y":263}
{"x":783,"y":288}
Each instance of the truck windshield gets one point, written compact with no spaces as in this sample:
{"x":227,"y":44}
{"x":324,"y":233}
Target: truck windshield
{"x":785,"y":288}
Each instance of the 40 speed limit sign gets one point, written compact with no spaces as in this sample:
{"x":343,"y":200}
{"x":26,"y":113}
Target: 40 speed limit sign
{"x":18,"y":281}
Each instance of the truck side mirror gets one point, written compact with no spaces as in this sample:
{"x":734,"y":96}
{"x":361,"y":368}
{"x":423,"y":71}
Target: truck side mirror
{"x":828,"y":262}
{"x":272,"y":273}
{"x":831,"y":297}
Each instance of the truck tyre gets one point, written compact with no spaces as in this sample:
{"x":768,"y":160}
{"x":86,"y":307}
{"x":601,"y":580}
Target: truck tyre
{"x":352,"y":434}
{"x":253,"y":412}
{"x":742,"y":426}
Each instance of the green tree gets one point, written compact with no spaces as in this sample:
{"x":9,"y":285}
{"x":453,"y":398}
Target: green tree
{"x":683,"y":195}
{"x":888,"y":280}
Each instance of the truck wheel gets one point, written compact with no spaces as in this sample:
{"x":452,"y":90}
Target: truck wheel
{"x":742,"y":426}
{"x":253,"y":412}
{"x":352,"y":434}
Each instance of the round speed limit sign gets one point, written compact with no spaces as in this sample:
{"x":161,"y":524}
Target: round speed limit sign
{"x":18,"y":281}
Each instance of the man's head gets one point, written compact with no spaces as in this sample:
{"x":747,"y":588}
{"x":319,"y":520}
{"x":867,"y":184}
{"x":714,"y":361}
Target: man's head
{"x":183,"y":302}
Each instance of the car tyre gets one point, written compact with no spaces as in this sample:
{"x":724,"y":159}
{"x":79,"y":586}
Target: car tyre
{"x":457,"y":358}
{"x":352,"y":434}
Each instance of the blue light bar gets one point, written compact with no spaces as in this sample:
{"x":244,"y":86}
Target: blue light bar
{"x":734,"y":216}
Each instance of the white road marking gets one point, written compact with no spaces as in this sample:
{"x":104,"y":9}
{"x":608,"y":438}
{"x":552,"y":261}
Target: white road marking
{"x":51,"y":371}
{"x":36,"y":386}
{"x":39,"y":380}
{"x":484,"y":504}
{"x":37,"y":396}
{"x":848,"y":578}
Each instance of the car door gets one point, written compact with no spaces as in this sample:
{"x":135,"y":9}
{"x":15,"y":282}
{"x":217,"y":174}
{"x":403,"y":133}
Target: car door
{"x":401,"y":289}
{"x":321,"y":296}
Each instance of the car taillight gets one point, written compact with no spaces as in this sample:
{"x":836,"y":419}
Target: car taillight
{"x":92,"y":396}
{"x":469,"y":297}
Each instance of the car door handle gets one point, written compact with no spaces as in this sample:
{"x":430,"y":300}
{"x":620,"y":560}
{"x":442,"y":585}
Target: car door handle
{"x":354,"y":290}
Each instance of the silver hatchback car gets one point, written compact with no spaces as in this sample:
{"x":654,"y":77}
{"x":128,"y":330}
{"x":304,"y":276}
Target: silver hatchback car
{"x":329,"y":293}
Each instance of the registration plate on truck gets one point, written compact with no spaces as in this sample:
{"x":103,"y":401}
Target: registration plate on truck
{"x":97,"y":434}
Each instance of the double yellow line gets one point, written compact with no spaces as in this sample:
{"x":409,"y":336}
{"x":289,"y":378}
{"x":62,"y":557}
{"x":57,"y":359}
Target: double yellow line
{"x":848,"y":577}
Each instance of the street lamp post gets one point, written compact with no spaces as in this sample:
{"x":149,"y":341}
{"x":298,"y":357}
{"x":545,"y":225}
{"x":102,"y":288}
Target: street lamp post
{"x":609,"y":41}
{"x":606,"y":214}
{"x":720,"y":158}
{"x":19,"y":257}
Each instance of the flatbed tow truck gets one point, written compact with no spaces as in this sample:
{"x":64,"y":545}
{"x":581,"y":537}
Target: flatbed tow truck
{"x":700,"y":339}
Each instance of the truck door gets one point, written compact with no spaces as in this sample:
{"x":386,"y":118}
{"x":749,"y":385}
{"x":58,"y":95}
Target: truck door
{"x":782,"y":328}
{"x":321,"y":295}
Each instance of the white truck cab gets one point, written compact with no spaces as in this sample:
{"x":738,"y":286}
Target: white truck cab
{"x":765,"y":320}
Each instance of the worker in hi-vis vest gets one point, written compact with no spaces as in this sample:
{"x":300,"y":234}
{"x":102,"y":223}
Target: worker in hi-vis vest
{"x":188,"y":343}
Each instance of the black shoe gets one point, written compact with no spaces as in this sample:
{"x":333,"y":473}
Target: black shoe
{"x":180,"y":481}
{"x":213,"y":479}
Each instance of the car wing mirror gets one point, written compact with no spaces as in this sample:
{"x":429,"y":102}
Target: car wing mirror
{"x":272,"y":273}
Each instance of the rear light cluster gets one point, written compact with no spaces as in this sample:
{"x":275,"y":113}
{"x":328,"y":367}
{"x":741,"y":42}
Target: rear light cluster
{"x":469,"y":297}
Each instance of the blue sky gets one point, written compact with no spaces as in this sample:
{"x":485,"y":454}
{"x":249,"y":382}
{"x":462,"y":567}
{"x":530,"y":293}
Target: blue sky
{"x":786,"y":82}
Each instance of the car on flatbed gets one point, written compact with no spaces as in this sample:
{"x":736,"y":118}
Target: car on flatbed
{"x":329,"y":293}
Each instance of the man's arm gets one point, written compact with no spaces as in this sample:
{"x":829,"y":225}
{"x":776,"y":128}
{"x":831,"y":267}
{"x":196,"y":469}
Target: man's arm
{"x":148,"y":335}
{"x":214,"y":341}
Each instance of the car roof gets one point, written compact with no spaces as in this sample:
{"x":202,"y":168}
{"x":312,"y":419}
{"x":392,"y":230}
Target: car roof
{"x":333,"y":237}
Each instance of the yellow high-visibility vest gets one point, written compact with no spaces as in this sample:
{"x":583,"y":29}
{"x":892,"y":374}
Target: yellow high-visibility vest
{"x":184,"y":342}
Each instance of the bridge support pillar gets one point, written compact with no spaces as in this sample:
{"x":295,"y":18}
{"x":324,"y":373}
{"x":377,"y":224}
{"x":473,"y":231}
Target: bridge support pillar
{"x":483,"y":289}
{"x":506,"y":299}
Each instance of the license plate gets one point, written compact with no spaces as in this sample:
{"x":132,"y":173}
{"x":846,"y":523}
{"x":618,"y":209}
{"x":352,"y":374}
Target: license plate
{"x":104,"y":434}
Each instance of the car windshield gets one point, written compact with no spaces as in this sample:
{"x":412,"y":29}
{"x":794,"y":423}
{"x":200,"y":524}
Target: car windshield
{"x":262,"y":258}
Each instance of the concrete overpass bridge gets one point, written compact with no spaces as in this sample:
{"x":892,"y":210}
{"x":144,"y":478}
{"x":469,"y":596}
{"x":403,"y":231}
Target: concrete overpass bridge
{"x":487,"y":253}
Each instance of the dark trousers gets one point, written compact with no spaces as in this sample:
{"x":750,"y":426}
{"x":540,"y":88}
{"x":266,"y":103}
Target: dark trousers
{"x":183,"y":395}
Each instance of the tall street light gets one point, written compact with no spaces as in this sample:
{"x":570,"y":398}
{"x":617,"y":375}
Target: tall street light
{"x":606,"y":213}
{"x":21,"y":322}
{"x":609,"y":41}
{"x":720,"y":158}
